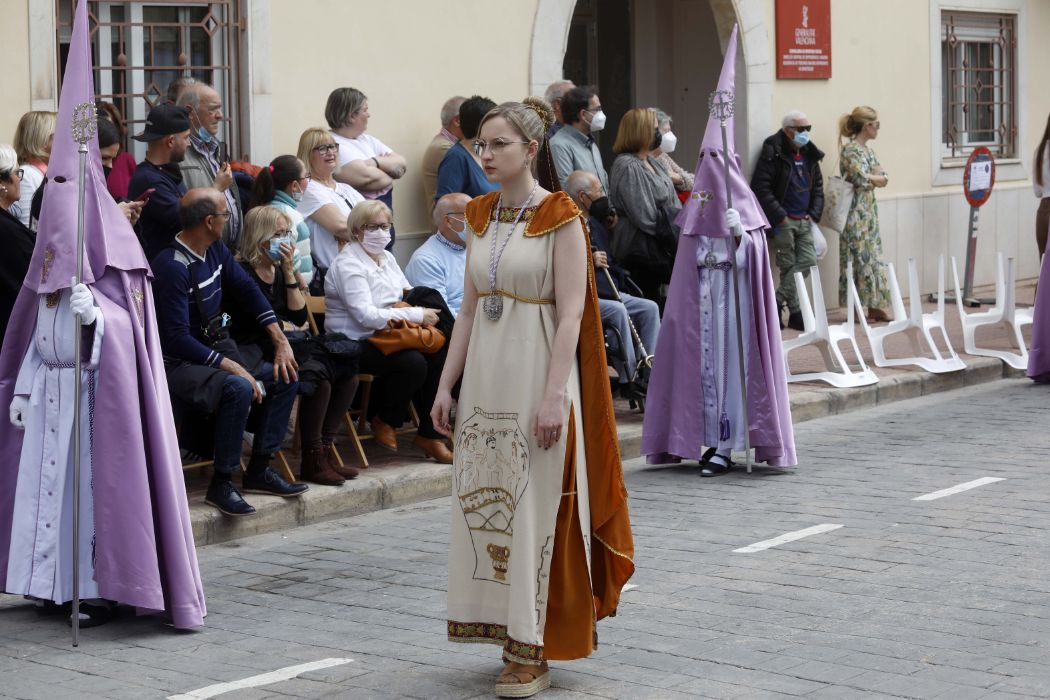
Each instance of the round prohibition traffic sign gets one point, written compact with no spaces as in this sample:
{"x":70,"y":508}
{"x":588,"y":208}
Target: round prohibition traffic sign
{"x":979,"y":176}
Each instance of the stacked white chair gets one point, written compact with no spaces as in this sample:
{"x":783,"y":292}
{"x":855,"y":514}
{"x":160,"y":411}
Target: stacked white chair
{"x":1004,"y":312}
{"x":915,"y":324}
{"x":827,"y":338}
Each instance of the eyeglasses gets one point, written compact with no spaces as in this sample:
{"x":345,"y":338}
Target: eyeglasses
{"x":224,"y":214}
{"x":304,"y":177}
{"x":807,"y":127}
{"x":281,"y":234}
{"x":372,"y":228}
{"x":17,"y":173}
{"x":496,"y":146}
{"x":326,"y":148}
{"x":458,"y":216}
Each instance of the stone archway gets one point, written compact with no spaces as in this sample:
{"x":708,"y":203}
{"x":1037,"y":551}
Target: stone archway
{"x":550,"y":33}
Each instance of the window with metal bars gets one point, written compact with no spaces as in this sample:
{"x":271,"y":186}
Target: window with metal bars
{"x":978,"y":79}
{"x":139,"y":47}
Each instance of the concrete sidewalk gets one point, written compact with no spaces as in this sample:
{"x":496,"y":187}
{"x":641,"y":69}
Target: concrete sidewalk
{"x":405,"y":477}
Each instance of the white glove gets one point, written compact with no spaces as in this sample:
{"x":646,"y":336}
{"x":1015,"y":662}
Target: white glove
{"x":19,"y":406}
{"x":81,"y":302}
{"x":733,"y":219}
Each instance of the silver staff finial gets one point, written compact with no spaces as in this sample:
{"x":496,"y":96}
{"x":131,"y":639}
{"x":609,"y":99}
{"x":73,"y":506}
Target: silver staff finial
{"x":720,"y":104}
{"x":84,"y":123}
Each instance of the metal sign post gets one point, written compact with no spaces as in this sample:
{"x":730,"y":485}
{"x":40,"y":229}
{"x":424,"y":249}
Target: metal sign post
{"x":978,"y":180}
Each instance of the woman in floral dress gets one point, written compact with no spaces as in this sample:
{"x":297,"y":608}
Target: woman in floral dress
{"x":860,"y":243}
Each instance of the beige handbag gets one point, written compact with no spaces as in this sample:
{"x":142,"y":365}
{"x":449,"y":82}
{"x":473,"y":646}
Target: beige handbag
{"x":838,"y":199}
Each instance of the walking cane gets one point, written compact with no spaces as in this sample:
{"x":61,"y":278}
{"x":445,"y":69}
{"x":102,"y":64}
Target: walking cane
{"x":84,"y":125}
{"x":720,"y":105}
{"x":646,"y":359}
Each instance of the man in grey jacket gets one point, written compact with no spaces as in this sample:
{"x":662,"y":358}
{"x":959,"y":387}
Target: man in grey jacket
{"x":207,"y":162}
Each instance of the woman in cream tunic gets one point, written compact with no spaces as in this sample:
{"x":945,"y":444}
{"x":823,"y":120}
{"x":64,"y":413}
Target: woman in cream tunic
{"x":536,"y":556}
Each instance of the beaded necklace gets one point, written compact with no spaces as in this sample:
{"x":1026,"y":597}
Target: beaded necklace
{"x":493,"y":304}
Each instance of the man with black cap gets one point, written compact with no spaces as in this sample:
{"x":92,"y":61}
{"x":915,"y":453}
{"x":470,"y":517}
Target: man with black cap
{"x":167,"y":133}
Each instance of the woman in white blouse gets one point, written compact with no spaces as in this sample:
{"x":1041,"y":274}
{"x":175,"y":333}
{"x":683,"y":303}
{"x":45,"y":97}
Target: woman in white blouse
{"x":362,"y":287}
{"x":326,"y":203}
{"x":33,"y":137}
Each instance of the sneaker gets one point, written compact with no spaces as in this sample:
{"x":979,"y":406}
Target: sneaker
{"x":270,"y":482}
{"x":225,"y":496}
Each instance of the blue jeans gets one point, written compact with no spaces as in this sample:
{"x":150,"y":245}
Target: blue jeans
{"x":646,"y":317}
{"x":236,"y":407}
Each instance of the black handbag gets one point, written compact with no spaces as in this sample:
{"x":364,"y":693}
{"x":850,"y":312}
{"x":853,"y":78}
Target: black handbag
{"x":340,"y":346}
{"x":302,"y":344}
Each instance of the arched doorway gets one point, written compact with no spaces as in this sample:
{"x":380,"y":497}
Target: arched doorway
{"x":673,"y":51}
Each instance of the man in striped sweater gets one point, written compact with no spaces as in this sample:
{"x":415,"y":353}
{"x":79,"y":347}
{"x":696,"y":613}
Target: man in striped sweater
{"x":206,"y":369}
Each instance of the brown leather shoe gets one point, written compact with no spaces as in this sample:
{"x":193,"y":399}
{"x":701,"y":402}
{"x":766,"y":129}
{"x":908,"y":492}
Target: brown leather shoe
{"x":434,"y":448}
{"x":314,"y":468}
{"x":345,"y":471}
{"x":384,"y":434}
{"x":877,"y":316}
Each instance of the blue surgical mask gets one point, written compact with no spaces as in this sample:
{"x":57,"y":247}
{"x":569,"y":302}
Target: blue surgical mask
{"x":204,"y":135}
{"x":801,"y":138}
{"x":275,"y":247}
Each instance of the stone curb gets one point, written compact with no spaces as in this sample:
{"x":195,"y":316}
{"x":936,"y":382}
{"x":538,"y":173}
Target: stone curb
{"x":387,"y":487}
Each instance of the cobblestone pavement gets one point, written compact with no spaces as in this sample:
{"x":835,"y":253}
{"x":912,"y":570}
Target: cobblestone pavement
{"x":946,"y":598}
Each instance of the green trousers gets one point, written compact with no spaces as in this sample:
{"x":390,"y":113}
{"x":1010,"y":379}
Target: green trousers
{"x":793,"y":245}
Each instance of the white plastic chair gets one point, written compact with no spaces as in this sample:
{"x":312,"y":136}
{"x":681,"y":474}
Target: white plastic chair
{"x":916,"y":325}
{"x":827,"y":338}
{"x":1004,"y":312}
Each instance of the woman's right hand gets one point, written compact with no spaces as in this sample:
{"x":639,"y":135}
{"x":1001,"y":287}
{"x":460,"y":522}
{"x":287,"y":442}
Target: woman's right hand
{"x":441,"y":412}
{"x":430,"y":317}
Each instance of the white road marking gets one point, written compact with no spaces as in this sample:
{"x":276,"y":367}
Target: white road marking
{"x":788,"y":537}
{"x":281,"y":674}
{"x":958,"y":489}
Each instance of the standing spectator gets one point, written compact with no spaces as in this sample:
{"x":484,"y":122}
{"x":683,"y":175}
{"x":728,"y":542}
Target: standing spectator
{"x":283,"y":184}
{"x":860,"y":242}
{"x":362,"y":288}
{"x":460,"y":169}
{"x":790,"y":188}
{"x":641,"y":190}
{"x":574,"y":148}
{"x":553,"y":94}
{"x":445,"y":139}
{"x":207,"y":164}
{"x":18,"y":239}
{"x":122,"y":165}
{"x":681,"y":178}
{"x":326,"y":385}
{"x":365,"y":163}
{"x":167,"y":132}
{"x":177,"y":86}
{"x":440,"y":262}
{"x":206,"y":369}
{"x":616,"y":309}
{"x":326,"y":203}
{"x":33,"y":137}
{"x":1041,"y":185}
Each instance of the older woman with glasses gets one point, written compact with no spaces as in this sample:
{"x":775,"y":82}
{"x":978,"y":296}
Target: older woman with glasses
{"x":18,"y":240}
{"x":326,"y":203}
{"x":282,"y":184}
{"x":365,"y":289}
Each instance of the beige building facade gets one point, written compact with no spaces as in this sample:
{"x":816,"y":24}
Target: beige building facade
{"x":280,"y":58}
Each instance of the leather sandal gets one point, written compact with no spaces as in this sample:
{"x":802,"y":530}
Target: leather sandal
{"x":523,"y":684}
{"x":709,"y":468}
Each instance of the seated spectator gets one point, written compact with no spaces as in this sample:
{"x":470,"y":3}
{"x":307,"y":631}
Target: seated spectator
{"x":33,"y":137}
{"x":445,"y":139}
{"x":553,"y":94}
{"x":327,"y":385}
{"x":460,"y":170}
{"x":681,"y":178}
{"x":121,"y":166}
{"x":362,"y":288}
{"x":207,"y":163}
{"x":365,"y":163}
{"x":587,"y":192}
{"x":283,"y":185}
{"x":18,"y":239}
{"x":206,"y":369}
{"x":441,"y":261}
{"x":646,"y":236}
{"x":574,"y":148}
{"x":326,"y":203}
{"x":167,"y":132}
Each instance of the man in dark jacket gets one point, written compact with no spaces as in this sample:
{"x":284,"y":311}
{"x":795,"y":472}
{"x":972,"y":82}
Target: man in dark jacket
{"x":790,"y":188}
{"x":167,"y":133}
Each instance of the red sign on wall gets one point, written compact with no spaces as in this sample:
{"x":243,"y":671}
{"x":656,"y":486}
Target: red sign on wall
{"x":804,"y":39}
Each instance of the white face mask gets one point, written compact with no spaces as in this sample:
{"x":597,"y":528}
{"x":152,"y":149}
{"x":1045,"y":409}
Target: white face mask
{"x":598,"y":121}
{"x":375,"y":242}
{"x":668,"y":142}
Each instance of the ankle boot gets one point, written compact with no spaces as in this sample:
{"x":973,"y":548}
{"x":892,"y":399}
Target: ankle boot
{"x":315,"y":468}
{"x":343,"y":470}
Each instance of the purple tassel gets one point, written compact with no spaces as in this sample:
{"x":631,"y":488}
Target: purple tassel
{"x":723,"y":427}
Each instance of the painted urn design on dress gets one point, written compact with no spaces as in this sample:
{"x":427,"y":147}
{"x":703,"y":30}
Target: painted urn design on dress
{"x":491,"y":475}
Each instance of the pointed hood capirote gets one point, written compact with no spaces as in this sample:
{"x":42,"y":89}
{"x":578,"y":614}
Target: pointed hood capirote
{"x":143,"y":548}
{"x":703,"y":212}
{"x":109,"y":240}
